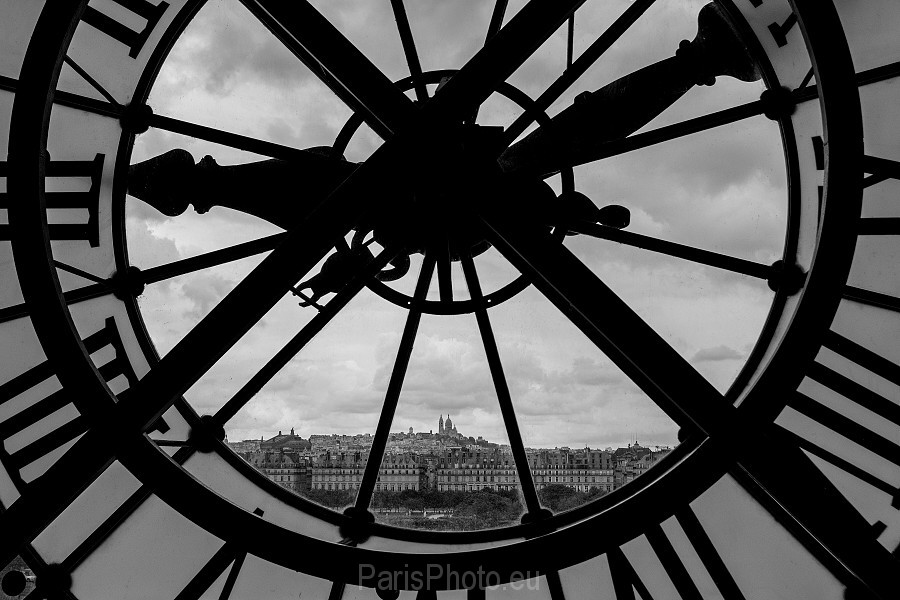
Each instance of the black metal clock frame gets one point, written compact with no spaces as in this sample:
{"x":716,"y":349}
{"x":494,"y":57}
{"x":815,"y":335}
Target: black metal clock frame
{"x":720,"y":437}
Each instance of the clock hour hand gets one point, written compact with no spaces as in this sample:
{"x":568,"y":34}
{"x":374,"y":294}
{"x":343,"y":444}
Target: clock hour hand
{"x":279,"y":191}
{"x":627,"y":104}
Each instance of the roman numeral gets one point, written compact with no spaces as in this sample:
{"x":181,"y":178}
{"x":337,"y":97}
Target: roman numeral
{"x":213,"y":569}
{"x":88,"y":292}
{"x":888,"y":449}
{"x":675,"y":567}
{"x":710,"y":558}
{"x":686,"y":587}
{"x":625,"y":578}
{"x":879,"y":169}
{"x":134,"y":40}
{"x":819,"y":155}
{"x":846,"y":427}
{"x":65,"y":201}
{"x":852,"y":390}
{"x":876,"y":169}
{"x":337,"y":592}
{"x":872,"y":298}
{"x":30,"y":416}
{"x":879,"y":226}
{"x":780,"y":31}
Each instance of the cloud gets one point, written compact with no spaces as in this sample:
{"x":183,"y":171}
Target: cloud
{"x":226,"y":45}
{"x":205,"y":291}
{"x":717,"y":353}
{"x":145,"y":249}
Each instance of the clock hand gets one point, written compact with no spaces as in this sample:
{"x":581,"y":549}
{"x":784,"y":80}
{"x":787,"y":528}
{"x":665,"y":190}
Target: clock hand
{"x":172,"y":181}
{"x":278,"y":191}
{"x":627,"y":104}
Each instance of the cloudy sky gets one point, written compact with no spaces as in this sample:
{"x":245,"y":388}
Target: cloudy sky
{"x":722,"y":190}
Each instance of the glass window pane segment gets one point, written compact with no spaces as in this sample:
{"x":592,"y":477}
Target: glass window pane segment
{"x":649,"y":568}
{"x":534,"y":588}
{"x":261,"y":579}
{"x":219,"y":475}
{"x":874,"y":264}
{"x":765,"y":560}
{"x":118,"y":568}
{"x":584,"y":580}
{"x":18,"y":25}
{"x":86,"y":513}
{"x":871,"y":32}
{"x":688,"y":555}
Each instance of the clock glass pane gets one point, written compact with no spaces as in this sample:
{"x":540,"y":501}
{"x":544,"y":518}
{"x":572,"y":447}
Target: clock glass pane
{"x":474,"y":402}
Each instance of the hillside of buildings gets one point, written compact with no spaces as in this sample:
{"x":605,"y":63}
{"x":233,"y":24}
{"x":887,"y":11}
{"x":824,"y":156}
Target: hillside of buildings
{"x":442,"y":480}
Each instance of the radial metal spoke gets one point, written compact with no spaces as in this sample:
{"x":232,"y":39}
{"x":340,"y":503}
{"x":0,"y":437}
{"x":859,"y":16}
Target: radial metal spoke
{"x":703,"y":257}
{"x":174,"y":374}
{"x":307,"y":333}
{"x":578,"y":68}
{"x":154,"y":274}
{"x":336,"y":61}
{"x":532,"y":504}
{"x":392,"y":396}
{"x":626,"y":339}
{"x":88,"y":292}
{"x":93,"y":82}
{"x":79,"y":272}
{"x":211,"y":259}
{"x":555,"y":585}
{"x":42,"y":501}
{"x":102,"y":532}
{"x":232,"y":140}
{"x":237,"y":313}
{"x":863,"y":78}
{"x":692,"y":402}
{"x":409,"y":49}
{"x":806,"y":503}
{"x":501,"y":57}
{"x":70,"y":100}
{"x":878,"y":74}
{"x":649,"y":138}
{"x":142,"y":405}
{"x":869,"y":297}
{"x":497,"y":17}
{"x":445,"y":276}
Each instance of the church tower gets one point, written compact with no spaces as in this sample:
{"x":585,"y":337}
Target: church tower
{"x":441,"y":425}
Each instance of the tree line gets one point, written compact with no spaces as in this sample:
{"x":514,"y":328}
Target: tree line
{"x":488,"y":506}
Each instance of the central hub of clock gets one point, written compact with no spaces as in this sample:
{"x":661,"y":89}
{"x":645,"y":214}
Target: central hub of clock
{"x":447,"y":188}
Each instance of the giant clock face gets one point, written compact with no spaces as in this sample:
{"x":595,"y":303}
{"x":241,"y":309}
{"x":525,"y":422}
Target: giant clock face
{"x":113,"y":486}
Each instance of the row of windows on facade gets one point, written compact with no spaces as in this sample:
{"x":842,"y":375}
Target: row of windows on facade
{"x":451,"y":482}
{"x":407,"y":474}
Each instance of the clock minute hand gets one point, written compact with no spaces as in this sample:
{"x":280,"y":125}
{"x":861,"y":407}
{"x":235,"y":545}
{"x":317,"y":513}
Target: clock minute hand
{"x":622,"y":107}
{"x":279,"y":191}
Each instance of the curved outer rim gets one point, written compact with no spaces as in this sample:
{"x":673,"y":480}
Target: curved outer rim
{"x":333,"y":517}
{"x":789,"y":252}
{"x":509,"y":290}
{"x":554,"y":550}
